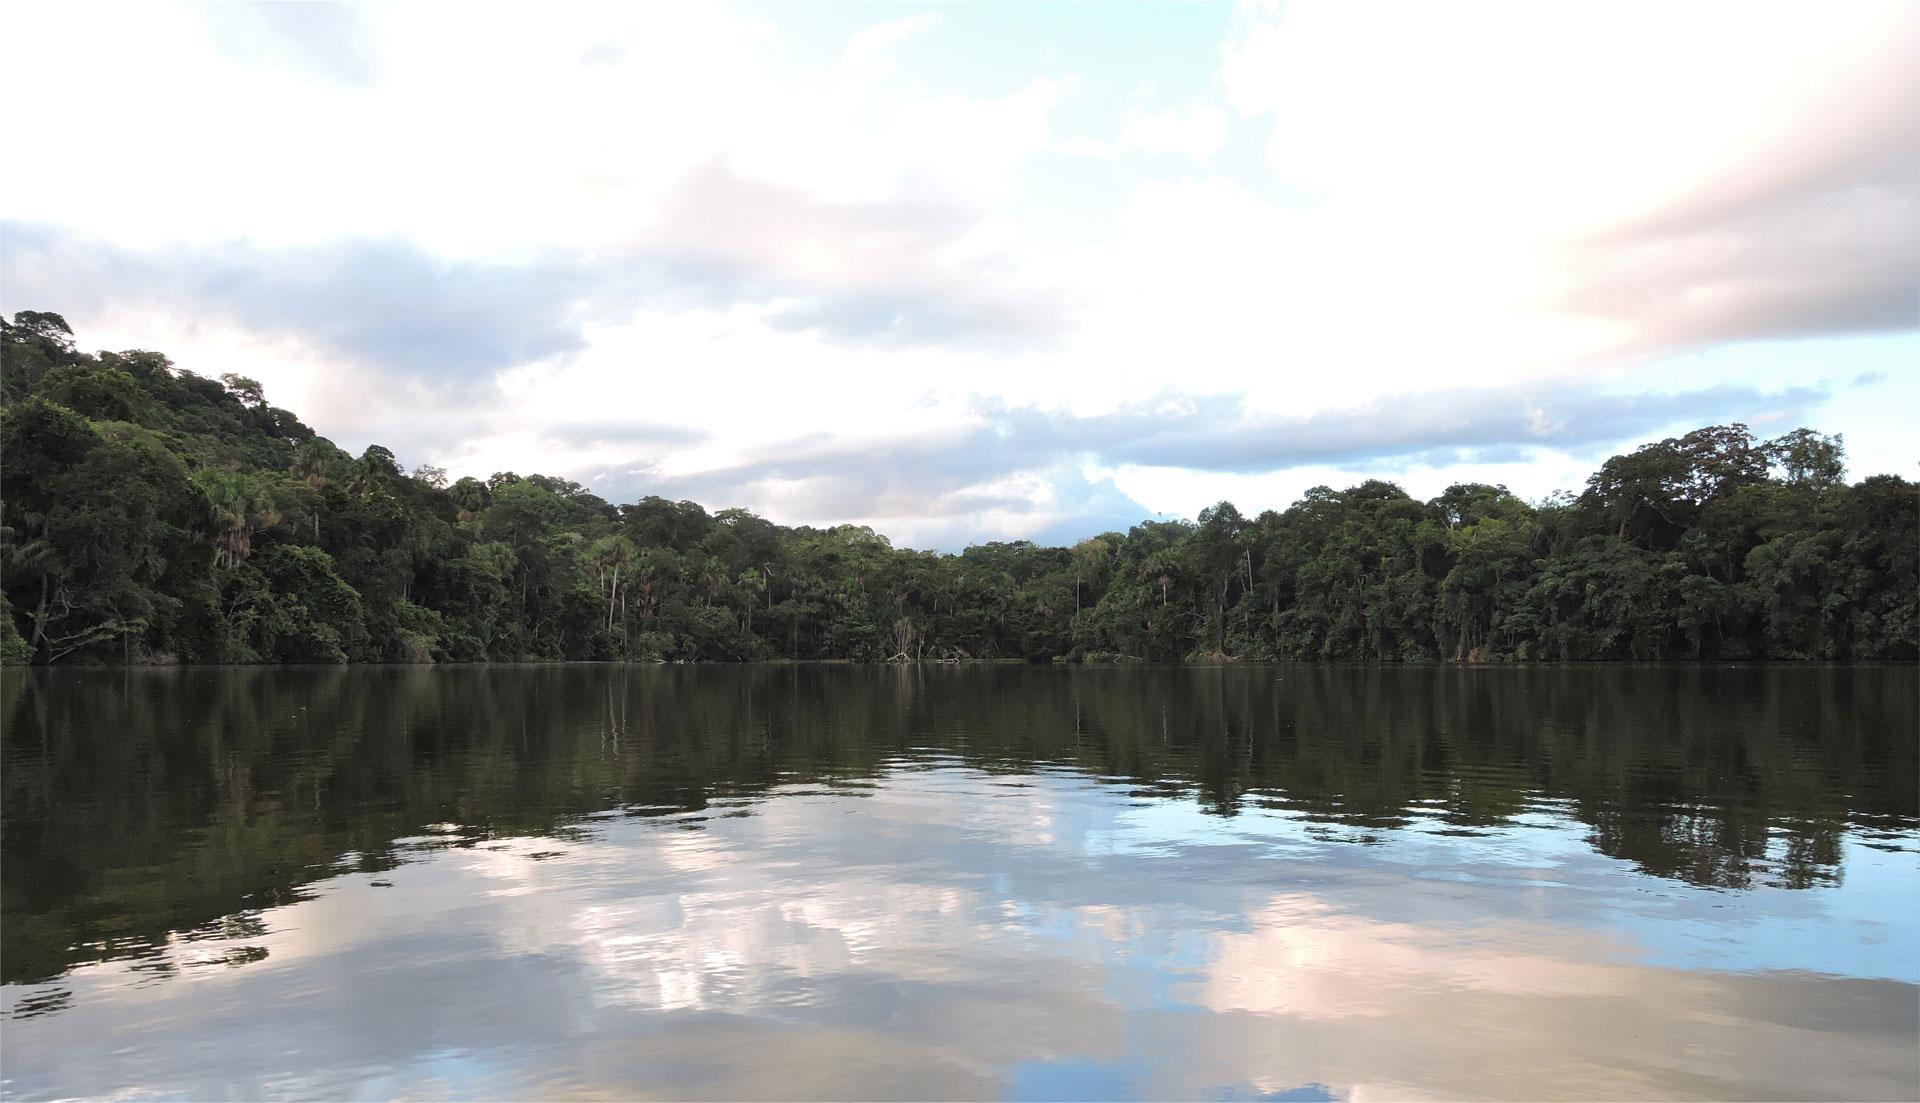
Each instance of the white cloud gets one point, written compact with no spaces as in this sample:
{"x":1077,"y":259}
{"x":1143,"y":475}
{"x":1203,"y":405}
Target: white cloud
{"x":1571,"y":151}
{"x":1198,"y":133}
{"x":753,"y":230}
{"x":873,"y":52}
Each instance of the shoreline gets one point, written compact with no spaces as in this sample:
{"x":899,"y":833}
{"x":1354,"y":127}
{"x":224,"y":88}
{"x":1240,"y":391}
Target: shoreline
{"x":1055,"y":664}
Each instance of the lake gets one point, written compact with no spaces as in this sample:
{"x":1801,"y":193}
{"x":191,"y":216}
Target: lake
{"x":1282,"y":883}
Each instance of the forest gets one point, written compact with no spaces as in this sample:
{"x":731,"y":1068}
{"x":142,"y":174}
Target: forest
{"x":152,"y":515}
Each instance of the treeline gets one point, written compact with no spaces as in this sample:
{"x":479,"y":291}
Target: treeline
{"x":148,"y":514}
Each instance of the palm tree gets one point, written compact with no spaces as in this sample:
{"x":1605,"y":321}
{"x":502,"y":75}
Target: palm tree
{"x":753,"y":583}
{"x":713,"y":575}
{"x":613,"y":559}
{"x":243,"y":504}
{"x":375,"y":468}
{"x":470,"y":496}
{"x":315,"y":462}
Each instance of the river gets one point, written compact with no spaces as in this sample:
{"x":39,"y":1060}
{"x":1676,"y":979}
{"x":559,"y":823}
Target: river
{"x":1282,"y":883}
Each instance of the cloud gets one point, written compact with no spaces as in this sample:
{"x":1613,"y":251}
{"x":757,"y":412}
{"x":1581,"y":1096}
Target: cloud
{"x":621,"y":434}
{"x":844,"y":270}
{"x":890,"y":274}
{"x":1463,"y":425}
{"x":1767,"y":194}
{"x":1023,"y":469}
{"x":1811,"y":233}
{"x":1084,"y":507}
{"x":870,"y":54}
{"x":331,"y":41}
{"x":1216,"y":433}
{"x":1198,"y":133}
{"x":1823,"y":255}
{"x":486,"y":133}
{"x":894,"y":273}
{"x":387,"y":305}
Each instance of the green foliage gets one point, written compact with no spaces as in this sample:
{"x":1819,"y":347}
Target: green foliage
{"x":104,"y":547}
{"x":13,"y":647}
{"x":153,"y":515}
{"x":315,"y":617}
{"x":102,"y":394}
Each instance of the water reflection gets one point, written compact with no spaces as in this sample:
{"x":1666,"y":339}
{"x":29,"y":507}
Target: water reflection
{"x":780,"y":882}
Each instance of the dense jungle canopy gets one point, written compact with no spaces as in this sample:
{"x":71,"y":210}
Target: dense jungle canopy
{"x":148,"y":514}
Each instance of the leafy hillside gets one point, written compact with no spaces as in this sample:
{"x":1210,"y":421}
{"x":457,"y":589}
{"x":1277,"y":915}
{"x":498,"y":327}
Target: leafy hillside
{"x":150,"y":514}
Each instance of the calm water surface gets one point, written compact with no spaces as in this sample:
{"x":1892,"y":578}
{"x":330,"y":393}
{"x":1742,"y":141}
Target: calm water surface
{"x":1294,"y":883}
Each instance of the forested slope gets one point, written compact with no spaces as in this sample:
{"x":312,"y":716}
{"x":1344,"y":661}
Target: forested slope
{"x":149,"y":514}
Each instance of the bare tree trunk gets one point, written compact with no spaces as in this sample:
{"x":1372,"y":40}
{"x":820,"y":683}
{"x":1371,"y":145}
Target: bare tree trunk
{"x":40,"y":643}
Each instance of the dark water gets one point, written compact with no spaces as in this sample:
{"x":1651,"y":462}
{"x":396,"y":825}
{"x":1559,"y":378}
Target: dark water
{"x":1282,"y":883}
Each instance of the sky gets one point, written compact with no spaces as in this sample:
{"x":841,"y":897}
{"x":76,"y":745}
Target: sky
{"x":991,"y":271}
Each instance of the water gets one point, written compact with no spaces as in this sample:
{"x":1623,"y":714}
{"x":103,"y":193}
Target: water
{"x":1279,"y":883}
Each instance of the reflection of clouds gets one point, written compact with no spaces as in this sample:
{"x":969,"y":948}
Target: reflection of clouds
{"x":691,"y":852}
{"x":1302,"y":957}
{"x":718,"y":920}
{"x":1111,"y":923}
{"x":1649,"y":1034}
{"x":942,"y":932}
{"x":856,"y":928}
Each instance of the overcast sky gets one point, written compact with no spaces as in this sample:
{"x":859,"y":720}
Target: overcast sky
{"x":991,"y":271}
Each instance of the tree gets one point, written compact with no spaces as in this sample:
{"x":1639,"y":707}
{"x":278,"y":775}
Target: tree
{"x":248,"y":391}
{"x":102,"y":530}
{"x":100,"y":394}
{"x":144,"y":512}
{"x":1808,"y":459}
{"x":45,"y":326}
{"x":242,"y":503}
{"x":317,"y":616}
{"x":612,"y":559}
{"x":470,"y":496}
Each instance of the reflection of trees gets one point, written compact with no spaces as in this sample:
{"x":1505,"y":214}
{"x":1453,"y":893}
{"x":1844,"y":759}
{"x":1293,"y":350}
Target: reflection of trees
{"x":1715,"y":776}
{"x":138,"y":804}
